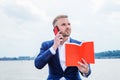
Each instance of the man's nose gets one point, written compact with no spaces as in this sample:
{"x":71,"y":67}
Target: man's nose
{"x":67,"y":26}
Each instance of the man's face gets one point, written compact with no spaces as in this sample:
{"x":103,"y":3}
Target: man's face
{"x":64,"y":26}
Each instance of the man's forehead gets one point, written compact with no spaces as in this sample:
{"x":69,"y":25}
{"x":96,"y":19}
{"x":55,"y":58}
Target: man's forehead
{"x":62,"y":20}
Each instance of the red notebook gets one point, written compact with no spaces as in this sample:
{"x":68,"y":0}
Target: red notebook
{"x":74,"y":53}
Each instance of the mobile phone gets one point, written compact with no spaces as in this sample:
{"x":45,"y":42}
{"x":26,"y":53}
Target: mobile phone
{"x":56,"y":30}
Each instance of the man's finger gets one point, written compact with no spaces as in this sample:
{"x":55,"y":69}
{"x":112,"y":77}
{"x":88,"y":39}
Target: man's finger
{"x":81,"y":64}
{"x":83,"y":60}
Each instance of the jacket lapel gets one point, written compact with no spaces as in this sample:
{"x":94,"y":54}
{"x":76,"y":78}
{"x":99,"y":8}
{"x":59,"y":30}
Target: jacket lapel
{"x":58,"y":61}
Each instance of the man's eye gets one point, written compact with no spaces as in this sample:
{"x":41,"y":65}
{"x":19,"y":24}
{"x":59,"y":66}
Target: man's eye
{"x":68,"y":23}
{"x":63,"y":24}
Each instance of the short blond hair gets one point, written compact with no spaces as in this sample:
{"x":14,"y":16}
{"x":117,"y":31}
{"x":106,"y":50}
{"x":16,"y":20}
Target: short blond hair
{"x":58,"y":17}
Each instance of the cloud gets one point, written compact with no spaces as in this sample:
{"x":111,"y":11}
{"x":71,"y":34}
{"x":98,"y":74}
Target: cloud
{"x":110,"y":11}
{"x":33,"y":8}
{"x":96,"y":5}
{"x":23,"y":10}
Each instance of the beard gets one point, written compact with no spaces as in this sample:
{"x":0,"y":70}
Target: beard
{"x":66,"y":33}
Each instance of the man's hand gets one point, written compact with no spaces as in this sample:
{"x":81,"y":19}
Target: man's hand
{"x":58,"y":38}
{"x":84,"y":68}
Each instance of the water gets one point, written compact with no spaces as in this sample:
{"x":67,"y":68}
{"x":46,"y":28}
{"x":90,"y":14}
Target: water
{"x":103,"y":69}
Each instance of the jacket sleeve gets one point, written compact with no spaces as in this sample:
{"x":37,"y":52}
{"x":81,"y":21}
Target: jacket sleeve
{"x":43,"y":57}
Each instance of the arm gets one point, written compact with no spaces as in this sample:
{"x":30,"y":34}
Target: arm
{"x":47,"y":50}
{"x":42,"y":59}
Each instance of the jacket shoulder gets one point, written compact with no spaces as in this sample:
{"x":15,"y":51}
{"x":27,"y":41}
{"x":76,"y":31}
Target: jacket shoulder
{"x":47,"y":44}
{"x":75,"y":41}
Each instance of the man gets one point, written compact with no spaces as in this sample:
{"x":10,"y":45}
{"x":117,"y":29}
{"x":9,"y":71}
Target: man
{"x":53,"y":53}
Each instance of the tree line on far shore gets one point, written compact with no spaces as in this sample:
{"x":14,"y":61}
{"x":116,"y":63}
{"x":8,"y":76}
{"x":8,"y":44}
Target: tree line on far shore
{"x":115,"y":54}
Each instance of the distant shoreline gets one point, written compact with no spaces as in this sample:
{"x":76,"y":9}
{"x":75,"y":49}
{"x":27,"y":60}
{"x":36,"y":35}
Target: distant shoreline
{"x":16,"y":58}
{"x":114,"y":54}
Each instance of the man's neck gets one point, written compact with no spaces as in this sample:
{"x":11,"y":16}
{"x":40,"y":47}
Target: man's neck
{"x":64,"y":39}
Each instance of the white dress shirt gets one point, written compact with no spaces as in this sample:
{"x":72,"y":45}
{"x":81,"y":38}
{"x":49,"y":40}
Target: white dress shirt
{"x":61,"y":50}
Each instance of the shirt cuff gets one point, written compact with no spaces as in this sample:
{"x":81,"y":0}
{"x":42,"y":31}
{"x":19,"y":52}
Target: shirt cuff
{"x":85,"y":75}
{"x":52,"y":51}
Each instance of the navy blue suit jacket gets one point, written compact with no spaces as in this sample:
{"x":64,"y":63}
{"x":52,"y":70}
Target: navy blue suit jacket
{"x":55,"y":70}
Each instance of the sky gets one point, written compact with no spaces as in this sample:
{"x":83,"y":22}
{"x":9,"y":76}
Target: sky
{"x":25,"y":24}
